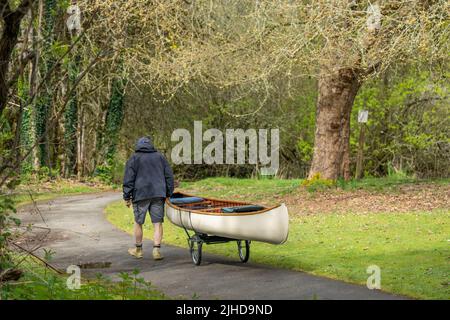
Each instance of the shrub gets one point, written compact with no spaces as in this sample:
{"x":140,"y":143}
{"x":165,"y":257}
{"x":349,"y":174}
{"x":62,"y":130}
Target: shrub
{"x":39,"y":283}
{"x":7,"y":219}
{"x":316,"y":183}
{"x":104,"y":173}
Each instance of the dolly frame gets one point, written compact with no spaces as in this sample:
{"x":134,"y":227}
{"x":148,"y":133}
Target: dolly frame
{"x":196,"y":241}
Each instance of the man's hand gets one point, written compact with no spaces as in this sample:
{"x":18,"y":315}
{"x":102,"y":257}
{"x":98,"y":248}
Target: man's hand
{"x":128,"y":203}
{"x":176,"y":183}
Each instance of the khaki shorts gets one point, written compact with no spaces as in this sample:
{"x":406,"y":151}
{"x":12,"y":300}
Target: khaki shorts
{"x":155,"y":208}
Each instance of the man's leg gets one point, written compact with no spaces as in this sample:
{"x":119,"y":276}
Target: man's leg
{"x":157,"y":237}
{"x":158,"y":233}
{"x":138,"y":233}
{"x":157,"y":215}
{"x":140,"y":210}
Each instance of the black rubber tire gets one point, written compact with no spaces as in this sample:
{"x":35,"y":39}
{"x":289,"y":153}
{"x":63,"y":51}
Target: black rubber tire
{"x":244,"y":250}
{"x":195,"y":248}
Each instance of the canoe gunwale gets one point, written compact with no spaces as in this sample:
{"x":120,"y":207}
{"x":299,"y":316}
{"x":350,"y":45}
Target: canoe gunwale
{"x":173,"y":206}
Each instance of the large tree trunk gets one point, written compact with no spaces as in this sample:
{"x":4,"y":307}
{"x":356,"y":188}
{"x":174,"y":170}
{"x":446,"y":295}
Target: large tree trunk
{"x":8,"y":40}
{"x":337,"y":91}
{"x":7,"y":43}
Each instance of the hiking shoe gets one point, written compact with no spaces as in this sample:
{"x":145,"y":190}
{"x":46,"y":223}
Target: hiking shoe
{"x":135,"y":252}
{"x":157,"y":254}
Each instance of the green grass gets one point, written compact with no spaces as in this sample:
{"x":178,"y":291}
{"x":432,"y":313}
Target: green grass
{"x":252,"y":189}
{"x":412,"y":249}
{"x":40,"y":283}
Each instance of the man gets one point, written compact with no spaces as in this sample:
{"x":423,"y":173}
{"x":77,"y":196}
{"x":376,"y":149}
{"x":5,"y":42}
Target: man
{"x":148,"y":180}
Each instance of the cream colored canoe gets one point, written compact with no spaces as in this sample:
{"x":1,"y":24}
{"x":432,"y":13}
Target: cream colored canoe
{"x":270,"y":224}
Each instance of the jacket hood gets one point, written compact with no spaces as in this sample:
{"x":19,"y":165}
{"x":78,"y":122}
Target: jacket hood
{"x":144,"y":144}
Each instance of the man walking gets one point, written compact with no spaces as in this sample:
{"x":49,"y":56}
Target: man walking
{"x":148,"y":180}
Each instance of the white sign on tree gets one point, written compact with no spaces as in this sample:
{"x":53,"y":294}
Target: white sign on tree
{"x":362,"y":116}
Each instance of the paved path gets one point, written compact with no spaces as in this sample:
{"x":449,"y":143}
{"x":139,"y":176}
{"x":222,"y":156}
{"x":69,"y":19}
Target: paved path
{"x":81,"y":234}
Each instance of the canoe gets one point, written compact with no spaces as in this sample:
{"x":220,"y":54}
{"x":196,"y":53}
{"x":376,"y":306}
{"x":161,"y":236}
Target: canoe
{"x":229,"y":219}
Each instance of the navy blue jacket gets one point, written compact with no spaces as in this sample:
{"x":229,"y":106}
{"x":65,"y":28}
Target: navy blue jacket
{"x":147,"y":174}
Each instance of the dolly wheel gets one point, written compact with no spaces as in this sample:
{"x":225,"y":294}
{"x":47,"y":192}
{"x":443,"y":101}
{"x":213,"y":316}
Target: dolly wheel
{"x":195,"y":247}
{"x":244,"y":250}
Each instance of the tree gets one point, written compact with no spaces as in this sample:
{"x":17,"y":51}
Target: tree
{"x":52,"y":86}
{"x":232,"y":46}
{"x":114,"y":117}
{"x":394,"y":31}
{"x":45,"y":99}
{"x":70,"y":124}
{"x":10,"y":28}
{"x":240,"y":43}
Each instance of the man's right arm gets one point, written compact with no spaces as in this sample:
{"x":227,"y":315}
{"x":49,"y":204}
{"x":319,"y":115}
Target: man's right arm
{"x":128,"y":179}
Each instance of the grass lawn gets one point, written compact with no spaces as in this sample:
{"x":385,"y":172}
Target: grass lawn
{"x":411,"y":248}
